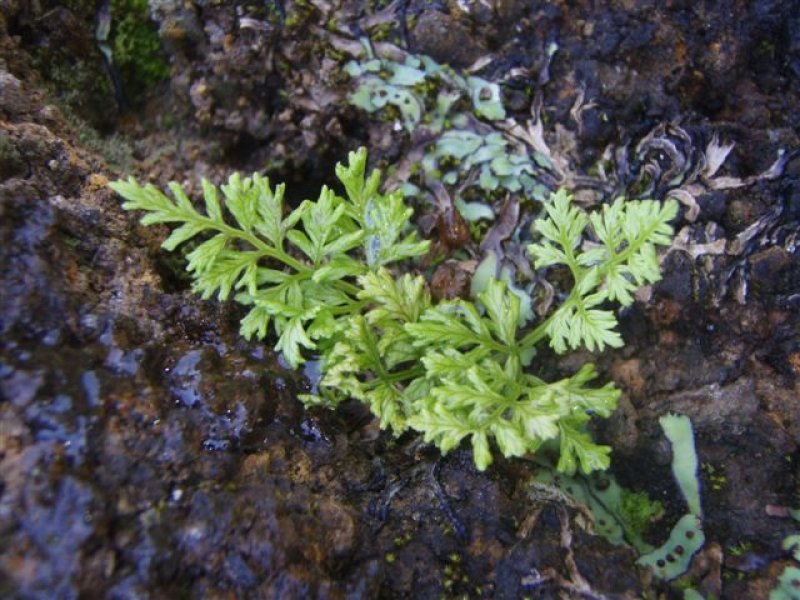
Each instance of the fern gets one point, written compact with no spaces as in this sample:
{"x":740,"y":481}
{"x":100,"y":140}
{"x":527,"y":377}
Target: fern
{"x":623,"y":260}
{"x":454,"y":371}
{"x":295,"y":271}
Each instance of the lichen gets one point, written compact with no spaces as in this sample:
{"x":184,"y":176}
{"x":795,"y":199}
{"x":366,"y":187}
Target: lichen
{"x":457,"y":113}
{"x":672,"y":559}
{"x":622,"y":516}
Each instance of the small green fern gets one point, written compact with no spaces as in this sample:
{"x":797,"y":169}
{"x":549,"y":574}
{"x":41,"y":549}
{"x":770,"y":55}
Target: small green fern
{"x":295,"y":271}
{"x":454,"y":370}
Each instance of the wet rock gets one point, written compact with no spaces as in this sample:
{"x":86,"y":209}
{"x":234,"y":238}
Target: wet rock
{"x":713,"y":408}
{"x":341,"y":528}
{"x":181,"y":28}
{"x":595,"y":129}
{"x":712,"y":206}
{"x":771,"y":271}
{"x":446,"y":39}
{"x":13,"y":100}
{"x":11,"y":162}
{"x":46,"y":557}
{"x":676,"y":282}
{"x":779,"y":398}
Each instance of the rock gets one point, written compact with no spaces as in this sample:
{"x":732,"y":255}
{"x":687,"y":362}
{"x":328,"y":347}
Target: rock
{"x":712,"y":408}
{"x":771,"y":271}
{"x":13,"y":100}
{"x":445,"y":39}
{"x":712,"y":205}
{"x":676,"y":280}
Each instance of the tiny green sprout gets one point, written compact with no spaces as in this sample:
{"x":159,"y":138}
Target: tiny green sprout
{"x":716,"y":479}
{"x":741,"y":548}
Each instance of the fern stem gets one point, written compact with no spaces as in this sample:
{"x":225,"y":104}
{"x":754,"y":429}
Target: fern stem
{"x":540,"y":331}
{"x":350,"y":289}
{"x":372,"y":349}
{"x":412,"y":373}
{"x":259,"y":244}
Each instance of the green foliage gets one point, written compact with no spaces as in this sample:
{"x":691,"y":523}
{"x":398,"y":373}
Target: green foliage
{"x":623,"y":259}
{"x":454,"y":372}
{"x":319,"y":248}
{"x":457,"y":370}
{"x":136,"y":48}
{"x":472,"y":383}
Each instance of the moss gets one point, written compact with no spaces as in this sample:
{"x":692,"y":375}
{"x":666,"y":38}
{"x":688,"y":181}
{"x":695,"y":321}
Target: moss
{"x":115,"y":149}
{"x":299,"y":13}
{"x":11,"y":162}
{"x":741,"y":548}
{"x":378,"y":5}
{"x":62,"y":49}
{"x":382,"y":32}
{"x":136,"y":48}
{"x":638,"y":511}
{"x":401,"y":541}
{"x":714,"y":477}
{"x":337,"y":56}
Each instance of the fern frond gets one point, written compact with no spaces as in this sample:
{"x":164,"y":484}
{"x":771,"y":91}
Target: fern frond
{"x":243,"y":234}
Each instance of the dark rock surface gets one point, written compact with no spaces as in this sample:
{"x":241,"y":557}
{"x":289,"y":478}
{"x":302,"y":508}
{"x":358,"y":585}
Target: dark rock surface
{"x":146,"y":451}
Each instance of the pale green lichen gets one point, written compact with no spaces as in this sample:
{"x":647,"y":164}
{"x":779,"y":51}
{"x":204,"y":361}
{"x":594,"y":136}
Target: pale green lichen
{"x":678,"y":429}
{"x":456,"y":111}
{"x":788,"y":585}
{"x":491,"y":159}
{"x":673,"y":558}
{"x":409,"y":86}
{"x":621,"y":516}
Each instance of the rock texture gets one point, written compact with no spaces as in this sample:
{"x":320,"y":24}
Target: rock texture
{"x":147,"y":451}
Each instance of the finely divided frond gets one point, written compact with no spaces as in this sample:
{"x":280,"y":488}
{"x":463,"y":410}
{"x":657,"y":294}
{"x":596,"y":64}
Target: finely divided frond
{"x":577,"y":449}
{"x":241,"y":238}
{"x":611,"y":270}
{"x":454,"y":370}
